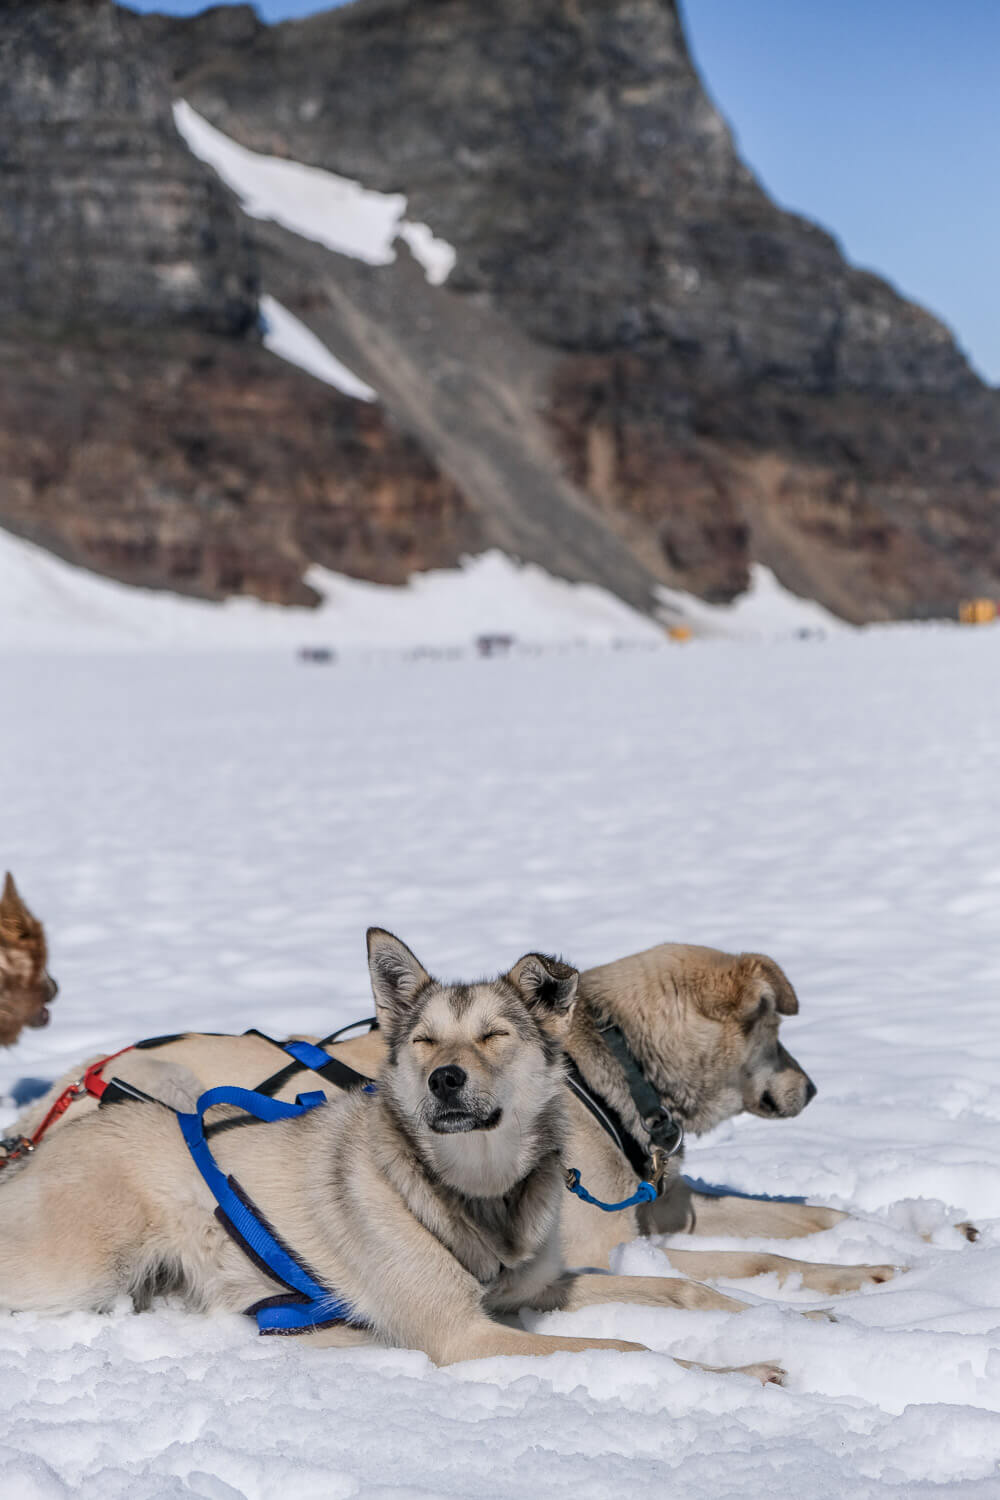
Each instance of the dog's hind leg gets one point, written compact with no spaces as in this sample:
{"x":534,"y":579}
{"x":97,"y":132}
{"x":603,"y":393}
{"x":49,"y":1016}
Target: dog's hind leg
{"x":683,"y":1210}
{"x":67,"y":1226}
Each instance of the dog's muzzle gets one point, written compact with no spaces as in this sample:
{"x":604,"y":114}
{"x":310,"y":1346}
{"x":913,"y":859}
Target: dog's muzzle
{"x":41,"y":1016}
{"x":454,"y":1112}
{"x":782,"y":1103}
{"x":457,"y":1121}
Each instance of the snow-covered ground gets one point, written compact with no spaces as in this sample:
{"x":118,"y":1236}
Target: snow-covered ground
{"x":207,"y":836}
{"x":46,"y":602}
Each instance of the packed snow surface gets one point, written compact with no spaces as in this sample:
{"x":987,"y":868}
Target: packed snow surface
{"x":47,"y":602}
{"x":334,"y":211}
{"x":207,"y":837}
{"x":289,"y":338}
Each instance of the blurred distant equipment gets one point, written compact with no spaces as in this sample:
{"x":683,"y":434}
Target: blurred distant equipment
{"x":323,"y":654}
{"x":494,"y":645}
{"x":977,"y":611}
{"x":680,"y":633}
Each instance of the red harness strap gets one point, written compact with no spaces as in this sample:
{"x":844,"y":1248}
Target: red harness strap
{"x":91,"y":1083}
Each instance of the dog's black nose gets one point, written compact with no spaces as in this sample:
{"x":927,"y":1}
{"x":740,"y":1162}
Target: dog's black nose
{"x":53,"y":987}
{"x":446,"y":1081}
{"x":810,"y":1090}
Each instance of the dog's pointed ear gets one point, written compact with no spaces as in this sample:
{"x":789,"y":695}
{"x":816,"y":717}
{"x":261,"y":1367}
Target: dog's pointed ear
{"x":763,"y":981}
{"x":15,"y":918}
{"x":397,"y":975}
{"x":548,"y":988}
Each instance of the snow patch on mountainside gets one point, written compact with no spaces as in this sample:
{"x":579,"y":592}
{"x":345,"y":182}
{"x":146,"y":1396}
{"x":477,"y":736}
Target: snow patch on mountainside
{"x":766,"y":610}
{"x":291,"y":340}
{"x":335,"y":211}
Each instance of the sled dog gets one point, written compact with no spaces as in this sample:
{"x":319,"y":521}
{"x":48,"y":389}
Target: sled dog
{"x":26,"y":988}
{"x":426,"y":1208}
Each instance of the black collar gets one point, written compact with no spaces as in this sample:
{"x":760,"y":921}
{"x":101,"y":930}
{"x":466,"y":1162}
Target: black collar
{"x":665,"y":1131}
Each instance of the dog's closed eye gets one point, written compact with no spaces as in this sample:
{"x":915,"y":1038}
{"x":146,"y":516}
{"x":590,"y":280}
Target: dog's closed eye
{"x":492,"y":1036}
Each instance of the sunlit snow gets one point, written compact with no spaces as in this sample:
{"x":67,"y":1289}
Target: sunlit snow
{"x":45,"y":601}
{"x":289,"y":338}
{"x":335,"y":211}
{"x":208,"y":836}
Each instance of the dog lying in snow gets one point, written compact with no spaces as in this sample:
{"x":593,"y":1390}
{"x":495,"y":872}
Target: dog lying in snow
{"x":26,"y":988}
{"x":424,"y":1209}
{"x":702,"y":1027}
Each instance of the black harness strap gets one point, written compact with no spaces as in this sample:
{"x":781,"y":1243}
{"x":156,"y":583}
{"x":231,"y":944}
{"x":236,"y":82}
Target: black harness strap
{"x":665,"y":1131}
{"x":333,"y":1070}
{"x":174,"y":1036}
{"x":609,"y":1120}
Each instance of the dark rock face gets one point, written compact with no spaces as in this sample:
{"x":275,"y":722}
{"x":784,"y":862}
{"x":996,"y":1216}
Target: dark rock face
{"x":641,"y":369}
{"x":209,"y":467}
{"x":104,"y":215}
{"x":880,"y":508}
{"x":143,"y":430}
{"x":729,"y":385}
{"x":569,"y":152}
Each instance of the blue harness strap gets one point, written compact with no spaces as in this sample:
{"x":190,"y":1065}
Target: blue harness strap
{"x":309,"y":1055}
{"x":308,"y":1304}
{"x":644,"y":1193}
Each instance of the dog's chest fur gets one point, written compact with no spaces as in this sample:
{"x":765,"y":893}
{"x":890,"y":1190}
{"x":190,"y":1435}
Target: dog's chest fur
{"x":491,"y":1237}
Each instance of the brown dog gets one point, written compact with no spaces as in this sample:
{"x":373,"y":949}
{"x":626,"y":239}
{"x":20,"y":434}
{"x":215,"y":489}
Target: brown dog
{"x":26,"y":988}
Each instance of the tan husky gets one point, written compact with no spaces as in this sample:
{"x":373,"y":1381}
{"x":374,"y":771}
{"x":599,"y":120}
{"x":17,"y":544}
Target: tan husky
{"x":425,"y":1209}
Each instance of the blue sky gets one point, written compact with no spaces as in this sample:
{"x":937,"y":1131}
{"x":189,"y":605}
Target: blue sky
{"x":878,"y":118}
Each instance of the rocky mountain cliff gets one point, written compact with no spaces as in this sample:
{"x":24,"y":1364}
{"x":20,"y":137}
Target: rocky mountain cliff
{"x":144,"y":432}
{"x":640,"y":368}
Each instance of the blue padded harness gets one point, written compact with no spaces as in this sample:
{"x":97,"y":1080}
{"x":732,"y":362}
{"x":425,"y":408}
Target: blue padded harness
{"x":306,"y":1303}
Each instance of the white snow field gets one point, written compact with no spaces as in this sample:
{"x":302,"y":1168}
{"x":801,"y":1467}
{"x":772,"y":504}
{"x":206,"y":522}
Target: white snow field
{"x":207,"y":835}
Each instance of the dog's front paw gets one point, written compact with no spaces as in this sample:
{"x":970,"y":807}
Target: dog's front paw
{"x":832,"y":1281}
{"x":766,"y":1372}
{"x":966,"y":1229}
